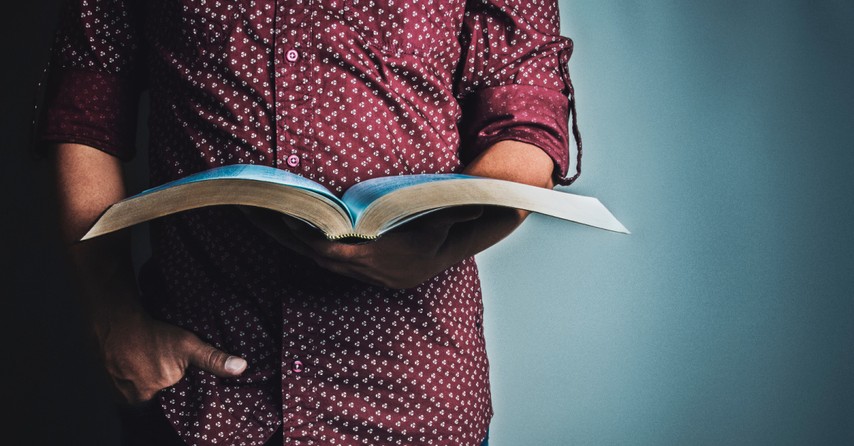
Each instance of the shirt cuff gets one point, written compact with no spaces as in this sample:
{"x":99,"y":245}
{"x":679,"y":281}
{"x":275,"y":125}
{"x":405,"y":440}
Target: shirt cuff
{"x":529,"y":114}
{"x":89,"y":107}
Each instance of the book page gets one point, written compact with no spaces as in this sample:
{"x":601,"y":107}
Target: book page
{"x":404,"y":203}
{"x":265,"y":174}
{"x":359,"y":196}
{"x":248,"y":185}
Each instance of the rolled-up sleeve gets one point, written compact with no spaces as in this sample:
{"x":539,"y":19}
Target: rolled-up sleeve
{"x":514,"y":83}
{"x":92,"y":84}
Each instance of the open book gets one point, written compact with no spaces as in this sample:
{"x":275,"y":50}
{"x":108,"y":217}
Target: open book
{"x":365,"y":211}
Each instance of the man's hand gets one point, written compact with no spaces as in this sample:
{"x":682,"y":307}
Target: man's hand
{"x":425,"y":247}
{"x":402,"y":258}
{"x":143,"y":356}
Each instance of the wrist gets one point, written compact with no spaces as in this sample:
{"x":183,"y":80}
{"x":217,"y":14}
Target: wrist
{"x":119,"y":314}
{"x":472,"y":237}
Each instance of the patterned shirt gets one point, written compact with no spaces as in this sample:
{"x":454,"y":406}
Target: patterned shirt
{"x":338,"y":91}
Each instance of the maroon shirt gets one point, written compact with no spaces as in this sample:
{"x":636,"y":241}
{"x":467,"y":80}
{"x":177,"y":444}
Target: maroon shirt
{"x":338,"y":91}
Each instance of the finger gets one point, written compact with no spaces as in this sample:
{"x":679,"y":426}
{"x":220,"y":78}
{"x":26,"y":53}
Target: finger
{"x":461,"y":214}
{"x":246,"y":210}
{"x":302,"y":230}
{"x":263,"y":218}
{"x":318,"y":245}
{"x":125,"y":394}
{"x":271,"y":223}
{"x":294,"y":243}
{"x":132,"y":398}
{"x":213,"y":360}
{"x":450,"y":216}
{"x":130,"y":394}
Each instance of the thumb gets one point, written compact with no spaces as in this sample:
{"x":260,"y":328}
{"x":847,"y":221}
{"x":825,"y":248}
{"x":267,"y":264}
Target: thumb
{"x":210,"y":359}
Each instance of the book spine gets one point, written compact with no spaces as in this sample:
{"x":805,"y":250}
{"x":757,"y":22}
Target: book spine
{"x":353,"y":235}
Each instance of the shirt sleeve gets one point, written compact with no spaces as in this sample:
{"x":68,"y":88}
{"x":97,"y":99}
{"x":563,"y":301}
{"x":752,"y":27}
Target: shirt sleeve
{"x":513,"y":81}
{"x":92,"y":86}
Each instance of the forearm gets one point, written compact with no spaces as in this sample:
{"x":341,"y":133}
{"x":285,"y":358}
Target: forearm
{"x":87,"y":181}
{"x":506,"y":160}
{"x":141,"y":355}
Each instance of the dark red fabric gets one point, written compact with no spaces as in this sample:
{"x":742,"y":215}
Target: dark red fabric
{"x":338,"y":91}
{"x":147,"y":426}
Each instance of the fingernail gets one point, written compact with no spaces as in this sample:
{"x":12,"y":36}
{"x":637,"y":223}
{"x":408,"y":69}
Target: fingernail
{"x":234,"y":364}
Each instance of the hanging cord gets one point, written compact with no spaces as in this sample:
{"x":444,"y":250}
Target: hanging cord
{"x":575,"y":133}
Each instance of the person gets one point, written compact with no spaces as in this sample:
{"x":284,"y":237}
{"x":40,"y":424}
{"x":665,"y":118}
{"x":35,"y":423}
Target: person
{"x":246,"y":328}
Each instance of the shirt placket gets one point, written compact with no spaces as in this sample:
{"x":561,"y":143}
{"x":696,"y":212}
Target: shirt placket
{"x":293,"y":96}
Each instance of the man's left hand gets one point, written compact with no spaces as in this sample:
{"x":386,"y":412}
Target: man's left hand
{"x":402,"y":258}
{"x":423,"y":248}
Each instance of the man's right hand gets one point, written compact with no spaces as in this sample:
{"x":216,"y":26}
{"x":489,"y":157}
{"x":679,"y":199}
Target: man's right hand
{"x":143,"y":356}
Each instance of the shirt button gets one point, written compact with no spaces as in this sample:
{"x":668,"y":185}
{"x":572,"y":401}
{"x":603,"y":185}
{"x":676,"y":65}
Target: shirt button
{"x":293,"y":161}
{"x":292,"y":55}
{"x":297,"y":366}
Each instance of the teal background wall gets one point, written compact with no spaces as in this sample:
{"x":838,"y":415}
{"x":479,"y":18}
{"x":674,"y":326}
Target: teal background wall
{"x":720,"y":134}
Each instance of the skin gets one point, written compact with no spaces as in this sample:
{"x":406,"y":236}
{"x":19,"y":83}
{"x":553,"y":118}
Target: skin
{"x":143,"y":355}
